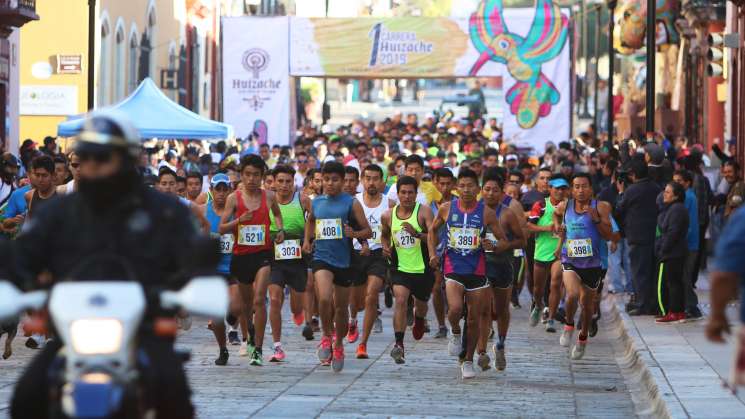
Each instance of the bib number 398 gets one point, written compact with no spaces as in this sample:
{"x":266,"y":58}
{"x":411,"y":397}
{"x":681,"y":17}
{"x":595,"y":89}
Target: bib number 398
{"x":579,"y":248}
{"x":252,"y":235}
{"x":328,"y":229}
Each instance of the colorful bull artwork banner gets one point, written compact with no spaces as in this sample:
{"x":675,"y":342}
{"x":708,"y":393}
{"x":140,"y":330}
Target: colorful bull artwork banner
{"x":528,"y":48}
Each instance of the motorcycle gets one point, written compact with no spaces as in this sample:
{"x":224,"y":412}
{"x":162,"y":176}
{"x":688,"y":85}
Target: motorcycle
{"x":98,"y":372}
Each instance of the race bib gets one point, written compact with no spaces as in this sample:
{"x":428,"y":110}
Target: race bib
{"x":226,"y":243}
{"x":492,"y":238}
{"x":375,"y":239}
{"x":287,"y":250}
{"x":518,"y":253}
{"x":579,"y":248}
{"x":252,"y":235}
{"x":405,"y":240}
{"x":328,"y":229}
{"x":464,"y":238}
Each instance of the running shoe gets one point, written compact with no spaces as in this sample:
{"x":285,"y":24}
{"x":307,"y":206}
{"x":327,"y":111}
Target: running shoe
{"x":693,"y":315}
{"x":298,"y":318}
{"x":362,"y":351}
{"x":566,"y":336}
{"x":454,"y":346}
{"x":484,"y":361}
{"x":233,"y":338}
{"x":418,"y":330}
{"x":247,"y":349}
{"x":500,"y":362}
{"x":353,"y":333}
{"x":186,"y":323}
{"x":535,"y":316}
{"x":467,"y":370}
{"x":544,"y":315}
{"x":315,"y":325}
{"x":388,"y":297}
{"x":257,"y":358}
{"x":397,"y":353}
{"x":337,"y":364}
{"x":594,"y":327}
{"x":378,"y":325}
{"x":222,"y":359}
{"x":279,"y":354}
{"x":32,"y":343}
{"x":442,"y":333}
{"x":579,"y":349}
{"x":671,"y":318}
{"x":551,"y":326}
{"x":308,"y":332}
{"x":324,"y":349}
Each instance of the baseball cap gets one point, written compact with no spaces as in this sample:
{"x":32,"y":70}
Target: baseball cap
{"x":220,"y":178}
{"x":558,"y":183}
{"x":511,"y":157}
{"x":440,"y":125}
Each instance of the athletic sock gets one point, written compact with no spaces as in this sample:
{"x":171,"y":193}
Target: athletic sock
{"x":501,"y":338}
{"x":231,"y":320}
{"x":399,"y":338}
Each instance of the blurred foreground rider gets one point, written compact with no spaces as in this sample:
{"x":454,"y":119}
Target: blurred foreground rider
{"x":113,"y":219}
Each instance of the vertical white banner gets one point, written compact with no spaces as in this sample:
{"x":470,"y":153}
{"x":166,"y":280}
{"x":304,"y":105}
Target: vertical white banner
{"x":256,"y":79}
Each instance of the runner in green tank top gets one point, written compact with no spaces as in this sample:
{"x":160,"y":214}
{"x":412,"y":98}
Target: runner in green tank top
{"x":404,"y":239}
{"x":288,"y":266}
{"x":546,"y":243}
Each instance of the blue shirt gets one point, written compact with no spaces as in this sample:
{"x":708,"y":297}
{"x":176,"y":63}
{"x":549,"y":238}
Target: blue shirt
{"x":332,"y":247}
{"x":691,"y":204}
{"x":729,"y":252}
{"x":603,"y":245}
{"x":17,"y":202}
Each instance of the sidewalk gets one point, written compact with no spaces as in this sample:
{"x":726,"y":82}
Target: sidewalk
{"x":683,"y":372}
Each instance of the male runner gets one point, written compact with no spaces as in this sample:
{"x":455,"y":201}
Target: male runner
{"x":44,"y":187}
{"x":405,"y":227}
{"x":499,"y":268}
{"x":464,"y":265}
{"x":313,"y":188}
{"x":584,"y":223}
{"x":538,"y":194}
{"x":329,"y":215}
{"x":288,"y":269}
{"x":359,"y":281}
{"x":213,"y":210}
{"x":194,"y":188}
{"x":546,"y":263}
{"x":368,"y":255}
{"x":445,"y":183}
{"x":168,"y":184}
{"x":414,"y":167}
{"x":249,"y":207}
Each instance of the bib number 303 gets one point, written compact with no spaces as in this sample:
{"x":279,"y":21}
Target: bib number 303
{"x":287,"y":250}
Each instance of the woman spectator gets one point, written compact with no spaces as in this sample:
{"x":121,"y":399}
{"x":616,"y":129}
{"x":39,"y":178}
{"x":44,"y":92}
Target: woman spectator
{"x":671,"y":249}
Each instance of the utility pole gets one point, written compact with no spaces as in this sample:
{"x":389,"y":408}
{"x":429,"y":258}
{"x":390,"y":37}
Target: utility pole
{"x":325,"y":109}
{"x":596,"y":118}
{"x":611,"y":60}
{"x":585,"y":50}
{"x":651,"y":49}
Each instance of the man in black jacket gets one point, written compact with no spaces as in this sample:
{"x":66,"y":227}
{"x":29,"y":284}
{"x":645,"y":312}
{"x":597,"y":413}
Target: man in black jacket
{"x":638,"y":210}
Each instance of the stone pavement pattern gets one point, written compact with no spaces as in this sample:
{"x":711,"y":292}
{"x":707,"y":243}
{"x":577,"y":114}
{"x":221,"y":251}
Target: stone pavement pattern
{"x":540,"y":380}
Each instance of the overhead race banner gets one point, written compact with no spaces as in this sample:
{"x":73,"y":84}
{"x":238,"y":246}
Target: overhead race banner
{"x":256,"y":79}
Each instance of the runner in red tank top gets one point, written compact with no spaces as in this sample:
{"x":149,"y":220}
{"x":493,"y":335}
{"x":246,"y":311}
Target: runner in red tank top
{"x":248,"y":207}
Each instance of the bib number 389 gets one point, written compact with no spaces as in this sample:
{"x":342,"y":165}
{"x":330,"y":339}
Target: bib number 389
{"x":464,"y":238}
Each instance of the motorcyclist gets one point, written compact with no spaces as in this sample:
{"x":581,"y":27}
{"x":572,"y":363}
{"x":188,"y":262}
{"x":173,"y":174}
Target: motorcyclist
{"x":113,"y":215}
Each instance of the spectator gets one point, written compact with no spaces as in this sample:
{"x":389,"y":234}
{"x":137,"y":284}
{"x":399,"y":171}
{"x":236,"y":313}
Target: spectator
{"x":736,"y":194}
{"x":50,"y":146}
{"x":671,"y":250}
{"x":637,"y":210}
{"x":702,"y":189}
{"x":685,"y":179}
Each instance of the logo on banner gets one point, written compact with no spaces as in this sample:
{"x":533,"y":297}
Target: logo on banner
{"x":255,"y":60}
{"x":393,"y":48}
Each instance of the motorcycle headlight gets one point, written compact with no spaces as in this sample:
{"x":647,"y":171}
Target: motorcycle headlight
{"x":96,"y":336}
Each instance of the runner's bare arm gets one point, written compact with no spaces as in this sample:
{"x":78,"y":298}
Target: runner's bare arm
{"x":310,"y":224}
{"x":425,"y":219}
{"x":359,"y":215}
{"x":437,"y":222}
{"x":225,"y":225}
{"x":196,"y":210}
{"x":509,"y":221}
{"x":558,"y":225}
{"x":491,"y":221}
{"x":385,"y":232}
{"x":604,"y":226}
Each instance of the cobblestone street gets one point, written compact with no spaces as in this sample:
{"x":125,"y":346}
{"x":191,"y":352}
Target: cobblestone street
{"x":540,"y":380}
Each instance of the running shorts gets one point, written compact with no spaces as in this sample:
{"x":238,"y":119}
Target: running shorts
{"x":364,"y":266}
{"x":468,"y":281}
{"x":245,"y":267}
{"x":420,"y":285}
{"x":290,"y":274}
{"x":500,"y":273}
{"x":342,"y":276}
{"x":590,"y":277}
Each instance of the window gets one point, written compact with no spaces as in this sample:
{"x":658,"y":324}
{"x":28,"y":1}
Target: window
{"x":134,"y":48}
{"x":120,"y":83}
{"x":153,"y":40}
{"x":104,"y":69}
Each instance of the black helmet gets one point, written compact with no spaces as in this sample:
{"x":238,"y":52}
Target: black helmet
{"x":108,"y":129}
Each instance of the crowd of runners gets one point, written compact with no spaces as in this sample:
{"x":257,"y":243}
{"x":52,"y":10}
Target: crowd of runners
{"x":391,"y":215}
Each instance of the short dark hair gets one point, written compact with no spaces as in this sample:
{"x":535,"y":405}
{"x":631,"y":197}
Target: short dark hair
{"x":468,"y":173}
{"x":43,"y":162}
{"x":284,"y":168}
{"x":61,"y":159}
{"x":582,"y":175}
{"x":685,"y":174}
{"x":406,"y":180}
{"x":414,"y":159}
{"x":735,"y":165}
{"x":639,"y":168}
{"x":333,"y":167}
{"x":312,"y":172}
{"x":374,"y":168}
{"x":678,"y":191}
{"x":545,"y":169}
{"x":253,"y":160}
{"x":492,"y":175}
{"x":300,"y":153}
{"x":195,"y":175}
{"x":352,"y":170}
{"x":519,"y":175}
{"x":490,"y":152}
{"x":444,"y":172}
{"x":180,"y":179}
{"x":165,"y":171}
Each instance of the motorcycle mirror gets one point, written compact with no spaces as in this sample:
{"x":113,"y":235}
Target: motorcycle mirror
{"x":13,"y":301}
{"x":203,"y":295}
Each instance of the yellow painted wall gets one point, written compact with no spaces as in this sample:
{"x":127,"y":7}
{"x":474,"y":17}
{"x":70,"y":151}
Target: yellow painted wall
{"x":63,"y":29}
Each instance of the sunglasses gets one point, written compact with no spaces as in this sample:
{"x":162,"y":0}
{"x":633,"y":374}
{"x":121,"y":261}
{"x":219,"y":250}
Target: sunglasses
{"x":98,"y":157}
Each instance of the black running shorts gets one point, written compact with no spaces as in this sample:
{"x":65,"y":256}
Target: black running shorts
{"x":245,"y":267}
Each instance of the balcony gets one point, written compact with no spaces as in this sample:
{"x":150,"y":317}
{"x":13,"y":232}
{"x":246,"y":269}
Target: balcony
{"x":16,"y":13}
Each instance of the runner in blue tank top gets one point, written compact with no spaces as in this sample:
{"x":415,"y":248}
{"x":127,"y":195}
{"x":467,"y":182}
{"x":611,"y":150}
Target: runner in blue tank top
{"x":328,"y":223}
{"x":445,"y":183}
{"x":464,"y":264}
{"x":213,"y":210}
{"x":584,"y":222}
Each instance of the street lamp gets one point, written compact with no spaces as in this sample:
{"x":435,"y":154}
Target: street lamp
{"x":611,"y":59}
{"x":651,"y":49}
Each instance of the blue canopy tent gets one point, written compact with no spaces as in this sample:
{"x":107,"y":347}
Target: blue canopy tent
{"x":156,"y":116}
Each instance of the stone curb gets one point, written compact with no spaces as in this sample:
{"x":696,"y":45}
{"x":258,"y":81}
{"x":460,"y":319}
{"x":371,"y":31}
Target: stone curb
{"x":655,"y":398}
